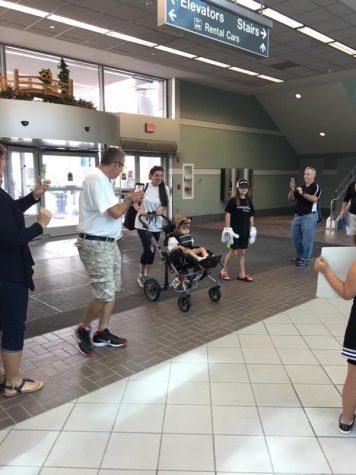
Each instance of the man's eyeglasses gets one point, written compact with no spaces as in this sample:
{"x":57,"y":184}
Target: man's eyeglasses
{"x":120,"y":163}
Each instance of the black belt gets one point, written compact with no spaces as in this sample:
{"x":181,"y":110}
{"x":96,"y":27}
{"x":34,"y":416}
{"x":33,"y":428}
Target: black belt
{"x":303,"y":214}
{"x":90,"y":237}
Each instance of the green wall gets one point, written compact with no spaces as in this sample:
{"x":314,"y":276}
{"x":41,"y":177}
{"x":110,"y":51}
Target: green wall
{"x":210,"y":144}
{"x":204,"y":103}
{"x":216,"y":148}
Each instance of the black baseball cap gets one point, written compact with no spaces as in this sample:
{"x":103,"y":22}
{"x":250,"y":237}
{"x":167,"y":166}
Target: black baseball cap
{"x":242,"y":183}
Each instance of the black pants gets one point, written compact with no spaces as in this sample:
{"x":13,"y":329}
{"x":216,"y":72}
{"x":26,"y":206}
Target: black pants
{"x":149,"y":249}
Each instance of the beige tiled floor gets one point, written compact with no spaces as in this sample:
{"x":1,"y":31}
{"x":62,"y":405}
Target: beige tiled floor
{"x":262,"y":400}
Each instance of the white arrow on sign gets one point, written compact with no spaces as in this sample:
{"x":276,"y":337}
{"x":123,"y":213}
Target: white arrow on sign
{"x":263,"y":33}
{"x":173,"y":1}
{"x":172,"y":15}
{"x":263,"y":48}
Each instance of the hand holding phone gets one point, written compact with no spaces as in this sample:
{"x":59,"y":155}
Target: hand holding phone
{"x":292,"y":183}
{"x":139,"y":186}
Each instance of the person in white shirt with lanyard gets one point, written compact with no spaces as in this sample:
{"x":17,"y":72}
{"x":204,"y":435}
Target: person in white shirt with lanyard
{"x":155,"y":201}
{"x":100,"y":226}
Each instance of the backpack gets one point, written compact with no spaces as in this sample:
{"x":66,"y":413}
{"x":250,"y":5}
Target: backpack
{"x":130,"y":216}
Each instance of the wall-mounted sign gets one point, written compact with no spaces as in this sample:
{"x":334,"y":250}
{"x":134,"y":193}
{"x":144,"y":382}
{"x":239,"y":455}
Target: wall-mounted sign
{"x":218,"y":20}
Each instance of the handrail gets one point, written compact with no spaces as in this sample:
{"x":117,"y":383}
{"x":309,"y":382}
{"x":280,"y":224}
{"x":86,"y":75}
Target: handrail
{"x":347,"y":180}
{"x":33,"y":84}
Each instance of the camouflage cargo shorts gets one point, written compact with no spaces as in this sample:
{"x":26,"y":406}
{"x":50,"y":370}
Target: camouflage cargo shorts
{"x":102,"y":261}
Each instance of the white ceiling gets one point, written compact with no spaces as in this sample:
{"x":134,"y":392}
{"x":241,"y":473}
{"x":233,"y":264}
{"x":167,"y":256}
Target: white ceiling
{"x":306,"y":65}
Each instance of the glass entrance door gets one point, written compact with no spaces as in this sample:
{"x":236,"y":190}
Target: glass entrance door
{"x":20,"y":178}
{"x":66,"y":172}
{"x":137,"y":168}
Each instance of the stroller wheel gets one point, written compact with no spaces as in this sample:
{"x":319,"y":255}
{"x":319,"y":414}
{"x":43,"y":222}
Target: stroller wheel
{"x":215,"y":294}
{"x":184,"y":304}
{"x":152,"y":289}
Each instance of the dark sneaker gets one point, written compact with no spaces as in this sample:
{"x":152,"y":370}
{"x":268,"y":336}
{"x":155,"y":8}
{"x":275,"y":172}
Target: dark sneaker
{"x":301,"y":263}
{"x":346,"y":428}
{"x":105,"y":338}
{"x":83,"y":339}
{"x":295,"y":259}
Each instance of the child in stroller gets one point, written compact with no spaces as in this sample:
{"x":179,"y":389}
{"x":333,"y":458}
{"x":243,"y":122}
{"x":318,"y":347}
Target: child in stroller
{"x":182,"y":240}
{"x":188,"y":269}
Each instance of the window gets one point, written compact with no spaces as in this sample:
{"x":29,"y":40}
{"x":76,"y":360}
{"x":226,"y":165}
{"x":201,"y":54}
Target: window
{"x":137,"y":95}
{"x":85,"y":76}
{"x":123,"y":91}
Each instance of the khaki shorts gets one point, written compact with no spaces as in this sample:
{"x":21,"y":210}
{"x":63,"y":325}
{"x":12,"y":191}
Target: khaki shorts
{"x":351,"y":224}
{"x":102,"y":261}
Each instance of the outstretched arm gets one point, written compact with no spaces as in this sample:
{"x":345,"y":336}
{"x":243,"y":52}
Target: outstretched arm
{"x":347,"y":289}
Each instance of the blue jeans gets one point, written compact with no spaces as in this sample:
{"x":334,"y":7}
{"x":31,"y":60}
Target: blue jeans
{"x":13,"y":310}
{"x":303,"y":230}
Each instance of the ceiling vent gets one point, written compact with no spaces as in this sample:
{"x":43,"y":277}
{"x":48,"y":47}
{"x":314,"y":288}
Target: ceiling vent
{"x":284,"y":65}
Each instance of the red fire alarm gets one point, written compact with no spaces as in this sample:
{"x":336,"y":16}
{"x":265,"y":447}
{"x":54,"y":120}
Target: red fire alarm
{"x":150,"y":127}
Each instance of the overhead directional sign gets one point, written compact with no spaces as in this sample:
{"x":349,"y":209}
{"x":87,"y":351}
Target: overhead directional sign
{"x":225,"y":25}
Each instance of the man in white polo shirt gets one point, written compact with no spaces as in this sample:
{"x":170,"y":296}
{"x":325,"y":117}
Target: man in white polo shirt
{"x":100,"y":226}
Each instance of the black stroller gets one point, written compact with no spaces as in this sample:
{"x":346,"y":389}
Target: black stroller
{"x":187,"y":271}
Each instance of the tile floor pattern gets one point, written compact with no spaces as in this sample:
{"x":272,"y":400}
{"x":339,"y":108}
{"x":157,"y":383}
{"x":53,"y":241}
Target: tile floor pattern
{"x":261,"y":400}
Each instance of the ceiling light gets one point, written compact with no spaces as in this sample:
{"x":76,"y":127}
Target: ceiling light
{"x":322,"y":134}
{"x":131,"y":39}
{"x":343,"y":48}
{"x":243,"y":71}
{"x":315,"y":34}
{"x":78,"y":24}
{"x":23,"y":9}
{"x":298,"y":96}
{"x":251,"y":4}
{"x":52,"y":27}
{"x":175,"y":51}
{"x":211,"y":61}
{"x":269,"y":78}
{"x":270,"y":13}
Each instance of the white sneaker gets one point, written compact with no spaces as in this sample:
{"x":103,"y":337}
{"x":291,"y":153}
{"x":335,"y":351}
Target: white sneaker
{"x":142,"y":279}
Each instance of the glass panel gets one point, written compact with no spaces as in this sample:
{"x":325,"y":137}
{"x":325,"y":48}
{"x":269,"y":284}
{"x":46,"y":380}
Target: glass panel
{"x":127,"y":178}
{"x":85,"y":81}
{"x":66,"y":174}
{"x":64,"y":206}
{"x":146,"y":163}
{"x":20,"y":176}
{"x":127,"y":93}
{"x":85,"y":76}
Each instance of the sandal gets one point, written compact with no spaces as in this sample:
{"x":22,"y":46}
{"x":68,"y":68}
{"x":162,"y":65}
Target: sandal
{"x":247,"y":278}
{"x":224,"y":276}
{"x":11,"y":391}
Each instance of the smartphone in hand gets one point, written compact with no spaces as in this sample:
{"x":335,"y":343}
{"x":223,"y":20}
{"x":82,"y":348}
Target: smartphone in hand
{"x":139,"y":186}
{"x":292,"y":181}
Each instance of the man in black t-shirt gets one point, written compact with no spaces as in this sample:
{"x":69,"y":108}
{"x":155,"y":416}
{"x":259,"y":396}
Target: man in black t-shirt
{"x":350,"y":197}
{"x":305,"y":218}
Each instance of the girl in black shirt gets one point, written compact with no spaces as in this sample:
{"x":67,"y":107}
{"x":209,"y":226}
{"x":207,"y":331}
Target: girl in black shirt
{"x":239,"y":216}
